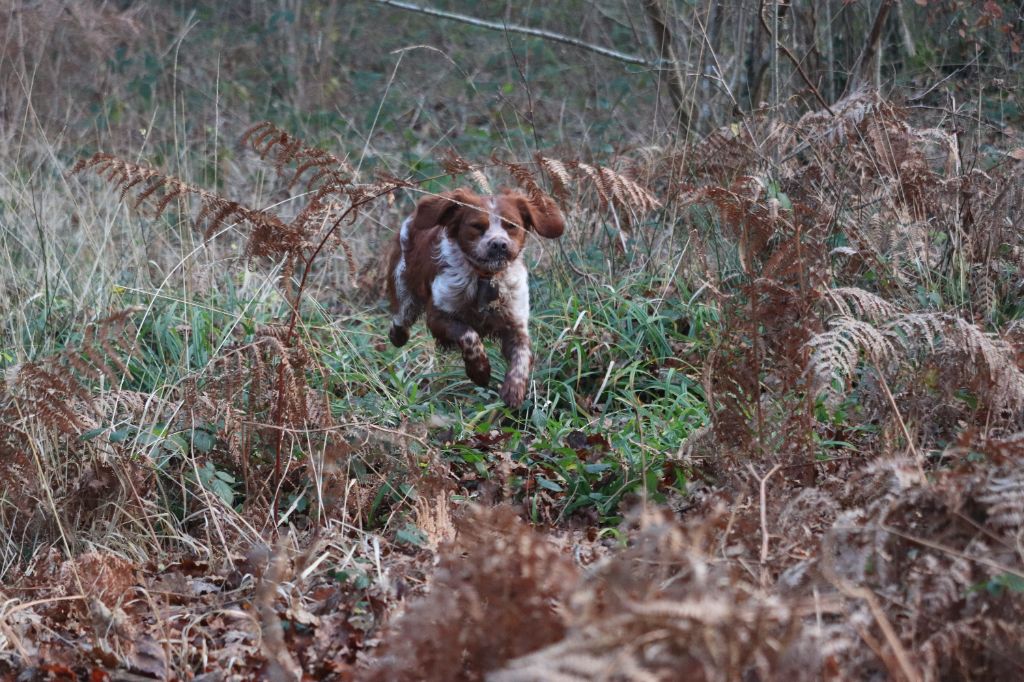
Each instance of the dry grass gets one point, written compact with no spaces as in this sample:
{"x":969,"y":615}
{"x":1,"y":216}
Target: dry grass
{"x":776,"y":427}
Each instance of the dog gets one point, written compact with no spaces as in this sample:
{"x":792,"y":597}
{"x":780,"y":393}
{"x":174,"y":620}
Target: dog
{"x":458,"y":258}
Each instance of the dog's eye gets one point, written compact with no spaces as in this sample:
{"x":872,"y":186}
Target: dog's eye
{"x":479,"y":227}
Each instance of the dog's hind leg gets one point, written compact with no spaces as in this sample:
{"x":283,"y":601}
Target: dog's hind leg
{"x":405,"y":308}
{"x":406,"y":311}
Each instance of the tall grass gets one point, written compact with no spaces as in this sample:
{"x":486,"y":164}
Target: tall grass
{"x":773,"y":426}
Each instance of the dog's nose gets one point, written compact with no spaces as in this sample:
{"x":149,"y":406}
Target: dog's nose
{"x":498,"y":249}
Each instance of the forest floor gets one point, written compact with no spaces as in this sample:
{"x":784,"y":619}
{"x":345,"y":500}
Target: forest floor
{"x":775,"y":426}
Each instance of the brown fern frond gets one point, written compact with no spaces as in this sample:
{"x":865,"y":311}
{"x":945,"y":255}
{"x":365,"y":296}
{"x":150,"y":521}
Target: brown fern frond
{"x":216,"y":216}
{"x":1003,"y":498}
{"x":597,"y":182}
{"x":56,"y":392}
{"x":155,"y":184}
{"x":613,"y":189}
{"x":661,"y":607}
{"x":91,"y":347}
{"x":633,"y":196}
{"x":455,"y":165}
{"x":836,"y":353}
{"x":559,"y":175}
{"x":985,"y":298}
{"x":502,"y":576}
{"x":957,"y":334}
{"x":53,"y":397}
{"x":290,"y":387}
{"x":846,"y":116}
{"x":724,"y":153}
{"x":270,"y":235}
{"x":524,"y":177}
{"x":990,"y":362}
{"x":117,"y":334}
{"x":331,"y":174}
{"x":350,"y":261}
{"x":954,"y":650}
{"x":859,"y":303}
{"x":386,"y":179}
{"x":480,"y":180}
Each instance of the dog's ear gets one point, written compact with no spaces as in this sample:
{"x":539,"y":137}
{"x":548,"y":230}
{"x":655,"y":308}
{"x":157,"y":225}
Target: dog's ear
{"x":542,"y":217}
{"x":440,"y":209}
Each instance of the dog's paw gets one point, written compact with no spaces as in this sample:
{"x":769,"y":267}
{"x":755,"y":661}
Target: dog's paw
{"x":513,"y":392}
{"x":399,"y":335}
{"x":478,"y":369}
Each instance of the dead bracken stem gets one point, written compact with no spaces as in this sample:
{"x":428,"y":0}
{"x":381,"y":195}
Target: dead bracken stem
{"x":291,"y":337}
{"x":763,"y":486}
{"x":906,"y":669}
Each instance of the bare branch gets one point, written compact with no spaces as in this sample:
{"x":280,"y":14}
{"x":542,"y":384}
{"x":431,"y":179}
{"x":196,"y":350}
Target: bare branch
{"x":525,"y":30}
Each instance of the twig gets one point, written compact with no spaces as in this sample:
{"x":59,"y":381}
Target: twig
{"x":764,"y":510}
{"x":529,"y":92}
{"x":939,"y":547}
{"x":918,"y":459}
{"x":525,"y":30}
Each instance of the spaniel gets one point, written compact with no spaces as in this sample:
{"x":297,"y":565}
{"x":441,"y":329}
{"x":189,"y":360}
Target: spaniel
{"x":458,"y":258}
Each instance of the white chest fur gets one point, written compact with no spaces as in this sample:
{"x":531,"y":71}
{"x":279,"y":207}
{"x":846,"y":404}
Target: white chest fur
{"x":455,"y":287}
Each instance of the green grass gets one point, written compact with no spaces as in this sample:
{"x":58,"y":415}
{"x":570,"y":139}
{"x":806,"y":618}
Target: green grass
{"x":611,"y":398}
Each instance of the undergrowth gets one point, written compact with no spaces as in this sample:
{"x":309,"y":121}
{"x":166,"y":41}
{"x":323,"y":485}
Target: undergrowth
{"x":774,"y":427}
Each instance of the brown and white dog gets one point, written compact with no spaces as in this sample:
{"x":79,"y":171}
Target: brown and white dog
{"x":458,"y":258}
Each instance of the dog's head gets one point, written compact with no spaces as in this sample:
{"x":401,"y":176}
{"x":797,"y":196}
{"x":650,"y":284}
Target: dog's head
{"x":490,"y":230}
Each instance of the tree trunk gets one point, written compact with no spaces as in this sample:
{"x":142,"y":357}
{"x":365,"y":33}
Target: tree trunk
{"x":865,"y":67}
{"x":757,"y":64}
{"x":662,"y":35}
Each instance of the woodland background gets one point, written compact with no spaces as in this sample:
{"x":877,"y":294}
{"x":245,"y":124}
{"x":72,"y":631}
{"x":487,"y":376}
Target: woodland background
{"x":776,"y":424}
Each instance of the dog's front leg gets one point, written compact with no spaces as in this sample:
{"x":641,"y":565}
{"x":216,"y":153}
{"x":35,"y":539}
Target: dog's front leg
{"x":452,"y":332}
{"x":515,"y":346}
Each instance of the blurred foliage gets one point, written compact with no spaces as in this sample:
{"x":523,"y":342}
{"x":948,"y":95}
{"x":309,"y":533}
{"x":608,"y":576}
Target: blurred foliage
{"x":399,"y":84}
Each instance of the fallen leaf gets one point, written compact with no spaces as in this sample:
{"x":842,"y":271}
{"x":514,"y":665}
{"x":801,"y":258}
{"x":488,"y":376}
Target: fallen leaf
{"x":148,"y":658}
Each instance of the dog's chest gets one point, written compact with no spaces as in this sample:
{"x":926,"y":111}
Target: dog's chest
{"x":490,"y":302}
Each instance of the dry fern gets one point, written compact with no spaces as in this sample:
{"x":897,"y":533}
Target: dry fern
{"x":55,"y":392}
{"x":454,"y":165}
{"x":293,"y":158}
{"x":493,"y":598}
{"x":263,"y":384}
{"x":295,"y":243}
{"x":856,"y":302}
{"x":836,"y":353}
{"x":559,"y":175}
{"x":151,"y":184}
{"x":615,"y":191}
{"x":1001,"y":380}
{"x":663,"y":607}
